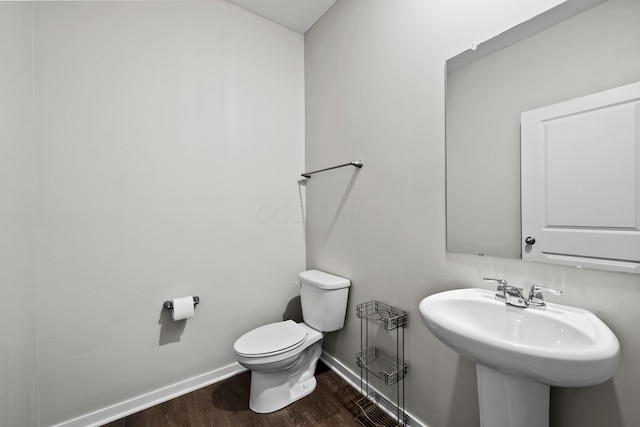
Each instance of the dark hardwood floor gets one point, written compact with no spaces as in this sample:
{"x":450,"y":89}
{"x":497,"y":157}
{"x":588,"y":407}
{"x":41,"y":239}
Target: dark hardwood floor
{"x":227,"y":404}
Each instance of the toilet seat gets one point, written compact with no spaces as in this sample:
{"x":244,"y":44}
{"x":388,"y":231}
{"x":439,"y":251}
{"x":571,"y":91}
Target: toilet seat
{"x":271,"y":339}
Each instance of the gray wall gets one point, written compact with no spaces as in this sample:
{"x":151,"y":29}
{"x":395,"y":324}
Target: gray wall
{"x":169,"y":137}
{"x":18,"y":368}
{"x":375,"y":92}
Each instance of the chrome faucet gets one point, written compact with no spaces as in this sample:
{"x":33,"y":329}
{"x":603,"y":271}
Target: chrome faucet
{"x":514,"y":296}
{"x":508,"y":294}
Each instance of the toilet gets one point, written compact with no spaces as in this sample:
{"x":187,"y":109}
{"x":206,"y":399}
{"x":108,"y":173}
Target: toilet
{"x":282,"y":356}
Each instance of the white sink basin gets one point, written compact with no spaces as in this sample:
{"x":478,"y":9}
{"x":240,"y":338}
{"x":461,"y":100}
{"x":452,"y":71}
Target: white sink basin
{"x":561,"y":346}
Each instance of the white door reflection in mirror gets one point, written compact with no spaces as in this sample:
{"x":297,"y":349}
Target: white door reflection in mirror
{"x":581,"y":181}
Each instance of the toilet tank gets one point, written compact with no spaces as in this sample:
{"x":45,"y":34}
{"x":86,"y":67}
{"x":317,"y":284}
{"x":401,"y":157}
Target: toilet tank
{"x":324,"y":300}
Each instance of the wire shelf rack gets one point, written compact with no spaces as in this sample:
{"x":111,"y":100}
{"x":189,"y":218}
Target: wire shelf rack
{"x":382,"y":314}
{"x":375,"y":410}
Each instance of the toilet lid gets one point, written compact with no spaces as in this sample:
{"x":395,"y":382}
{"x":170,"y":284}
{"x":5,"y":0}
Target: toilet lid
{"x":271,"y":339}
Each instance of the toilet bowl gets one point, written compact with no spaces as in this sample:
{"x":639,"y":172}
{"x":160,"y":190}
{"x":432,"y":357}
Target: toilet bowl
{"x":282,"y":356}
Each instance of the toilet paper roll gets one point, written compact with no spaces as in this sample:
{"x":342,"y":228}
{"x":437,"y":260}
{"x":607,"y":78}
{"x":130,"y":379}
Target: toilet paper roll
{"x":182,"y":308}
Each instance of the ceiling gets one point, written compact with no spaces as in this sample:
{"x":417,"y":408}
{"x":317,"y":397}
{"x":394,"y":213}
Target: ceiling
{"x":298,"y":15}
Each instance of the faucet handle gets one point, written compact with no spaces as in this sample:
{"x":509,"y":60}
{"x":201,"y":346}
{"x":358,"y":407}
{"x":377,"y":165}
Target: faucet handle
{"x":535,"y":296}
{"x":538,"y":289}
{"x":501,"y":282}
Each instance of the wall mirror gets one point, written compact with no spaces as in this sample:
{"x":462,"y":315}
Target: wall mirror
{"x":575,"y":49}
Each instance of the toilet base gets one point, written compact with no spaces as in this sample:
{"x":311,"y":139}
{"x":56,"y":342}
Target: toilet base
{"x":270,"y":395}
{"x":271,"y":391}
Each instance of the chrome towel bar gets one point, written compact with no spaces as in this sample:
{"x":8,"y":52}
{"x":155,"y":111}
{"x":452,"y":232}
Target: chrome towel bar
{"x":356,"y":163}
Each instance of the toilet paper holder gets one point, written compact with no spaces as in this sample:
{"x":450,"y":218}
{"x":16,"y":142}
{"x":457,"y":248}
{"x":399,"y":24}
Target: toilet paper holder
{"x":169,"y":304}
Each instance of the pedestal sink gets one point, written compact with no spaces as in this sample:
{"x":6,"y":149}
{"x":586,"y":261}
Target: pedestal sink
{"x":520,"y":352}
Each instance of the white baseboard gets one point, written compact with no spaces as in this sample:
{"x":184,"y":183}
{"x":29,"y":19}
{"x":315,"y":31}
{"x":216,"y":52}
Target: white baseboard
{"x":354,"y":380}
{"x":137,"y":404}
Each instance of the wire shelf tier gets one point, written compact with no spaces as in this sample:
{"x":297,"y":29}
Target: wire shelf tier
{"x":388,"y":368}
{"x":382,"y":314}
{"x":369,"y":414}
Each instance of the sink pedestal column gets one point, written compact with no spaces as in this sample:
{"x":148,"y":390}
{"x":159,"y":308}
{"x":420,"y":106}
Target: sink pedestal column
{"x":508,"y":400}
